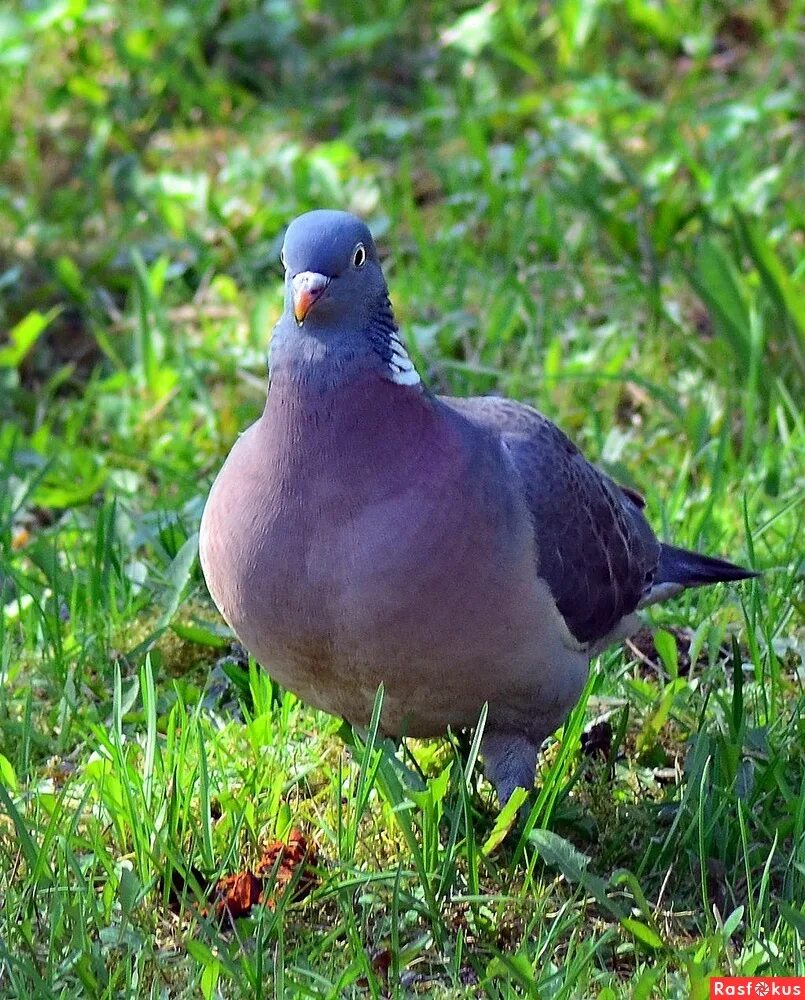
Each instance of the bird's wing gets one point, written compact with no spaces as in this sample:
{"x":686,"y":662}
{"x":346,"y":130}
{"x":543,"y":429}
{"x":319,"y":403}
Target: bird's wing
{"x":595,"y":549}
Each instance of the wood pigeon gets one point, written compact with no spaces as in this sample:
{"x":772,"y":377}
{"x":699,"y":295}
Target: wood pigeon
{"x":460,"y":551}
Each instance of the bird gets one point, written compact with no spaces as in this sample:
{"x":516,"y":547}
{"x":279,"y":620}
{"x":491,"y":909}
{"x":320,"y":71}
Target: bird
{"x":460,"y":552}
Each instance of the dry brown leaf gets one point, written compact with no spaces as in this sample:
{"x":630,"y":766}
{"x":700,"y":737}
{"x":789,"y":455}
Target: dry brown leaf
{"x":237,"y":894}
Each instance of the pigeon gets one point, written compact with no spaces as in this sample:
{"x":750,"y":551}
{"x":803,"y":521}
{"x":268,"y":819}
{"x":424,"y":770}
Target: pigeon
{"x":461,"y":552}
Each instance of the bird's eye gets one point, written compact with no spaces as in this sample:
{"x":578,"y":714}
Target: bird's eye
{"x":359,"y":257}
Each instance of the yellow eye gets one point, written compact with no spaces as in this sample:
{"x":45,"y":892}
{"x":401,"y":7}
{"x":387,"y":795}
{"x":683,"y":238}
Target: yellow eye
{"x":359,"y":257}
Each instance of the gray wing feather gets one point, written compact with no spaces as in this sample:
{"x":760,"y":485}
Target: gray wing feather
{"x":595,"y":549}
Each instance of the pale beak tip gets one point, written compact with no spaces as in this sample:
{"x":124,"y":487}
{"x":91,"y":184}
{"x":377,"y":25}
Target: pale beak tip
{"x":307,"y":288}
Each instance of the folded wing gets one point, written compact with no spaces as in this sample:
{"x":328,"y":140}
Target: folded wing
{"x":595,"y":548}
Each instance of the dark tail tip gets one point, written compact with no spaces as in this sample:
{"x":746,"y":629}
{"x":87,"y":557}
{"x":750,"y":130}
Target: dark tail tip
{"x":694,"y":570}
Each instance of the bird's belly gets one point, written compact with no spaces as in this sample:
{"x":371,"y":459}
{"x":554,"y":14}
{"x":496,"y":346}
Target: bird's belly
{"x":443,"y":627}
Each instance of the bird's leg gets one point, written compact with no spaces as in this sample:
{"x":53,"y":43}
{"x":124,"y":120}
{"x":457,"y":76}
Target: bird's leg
{"x":510,"y":761}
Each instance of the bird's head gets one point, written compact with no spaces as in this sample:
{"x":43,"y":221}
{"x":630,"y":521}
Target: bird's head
{"x":331,"y":267}
{"x":335,"y":292}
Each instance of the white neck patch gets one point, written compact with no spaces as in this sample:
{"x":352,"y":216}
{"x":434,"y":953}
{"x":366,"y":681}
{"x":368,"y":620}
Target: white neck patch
{"x":402,"y":367}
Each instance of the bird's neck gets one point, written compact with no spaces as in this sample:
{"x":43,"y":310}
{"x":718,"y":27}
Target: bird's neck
{"x":358,"y":421}
{"x":332,"y":355}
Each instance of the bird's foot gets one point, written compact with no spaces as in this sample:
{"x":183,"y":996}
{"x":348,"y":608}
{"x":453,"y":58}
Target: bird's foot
{"x":510,"y":761}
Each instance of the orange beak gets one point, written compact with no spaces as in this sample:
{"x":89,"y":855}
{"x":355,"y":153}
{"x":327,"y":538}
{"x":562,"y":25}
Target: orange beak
{"x":307,"y":288}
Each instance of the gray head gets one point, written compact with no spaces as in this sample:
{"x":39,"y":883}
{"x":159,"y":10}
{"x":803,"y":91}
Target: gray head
{"x":336,"y":294}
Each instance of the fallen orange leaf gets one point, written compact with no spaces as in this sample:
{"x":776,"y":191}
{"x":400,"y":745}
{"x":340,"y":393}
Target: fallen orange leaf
{"x":237,"y":894}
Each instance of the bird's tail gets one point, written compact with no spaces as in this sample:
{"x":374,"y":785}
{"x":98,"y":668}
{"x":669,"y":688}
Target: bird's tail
{"x":689,"y":569}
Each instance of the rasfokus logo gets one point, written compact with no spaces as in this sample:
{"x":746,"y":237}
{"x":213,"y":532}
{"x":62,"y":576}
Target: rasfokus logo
{"x":757,"y":986}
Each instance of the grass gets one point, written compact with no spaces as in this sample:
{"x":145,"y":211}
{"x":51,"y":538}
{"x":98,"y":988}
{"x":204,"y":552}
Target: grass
{"x":594,"y":207}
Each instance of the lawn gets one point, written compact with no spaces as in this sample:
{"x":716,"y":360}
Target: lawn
{"x":595,"y":206}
